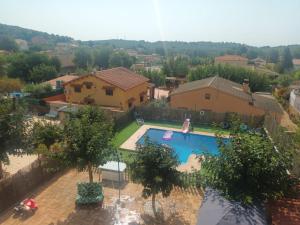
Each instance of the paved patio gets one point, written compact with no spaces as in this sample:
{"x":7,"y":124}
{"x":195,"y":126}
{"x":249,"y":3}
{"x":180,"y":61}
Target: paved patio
{"x":56,"y":205}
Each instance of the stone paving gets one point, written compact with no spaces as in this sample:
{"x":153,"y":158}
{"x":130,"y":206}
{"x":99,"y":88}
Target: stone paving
{"x":56,"y":205}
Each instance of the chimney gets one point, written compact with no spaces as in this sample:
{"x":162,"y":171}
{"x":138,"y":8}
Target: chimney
{"x":246,"y":87}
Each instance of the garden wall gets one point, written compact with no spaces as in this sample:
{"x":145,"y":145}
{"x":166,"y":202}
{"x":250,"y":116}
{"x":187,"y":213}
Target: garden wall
{"x":16,"y":187}
{"x":198,"y":118}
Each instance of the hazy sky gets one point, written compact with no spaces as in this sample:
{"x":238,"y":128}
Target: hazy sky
{"x":255,"y":22}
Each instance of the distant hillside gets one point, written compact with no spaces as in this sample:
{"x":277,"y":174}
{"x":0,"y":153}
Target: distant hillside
{"x":38,"y":41}
{"x":193,"y":48}
{"x":34,"y":38}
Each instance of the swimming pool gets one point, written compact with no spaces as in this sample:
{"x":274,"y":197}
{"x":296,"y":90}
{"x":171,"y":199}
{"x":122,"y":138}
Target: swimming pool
{"x":184,"y":144}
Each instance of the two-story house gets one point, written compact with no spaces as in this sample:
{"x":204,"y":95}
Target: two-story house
{"x":119,"y":88}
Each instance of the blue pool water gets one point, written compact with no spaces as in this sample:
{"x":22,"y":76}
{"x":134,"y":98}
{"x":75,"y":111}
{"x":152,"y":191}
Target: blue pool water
{"x":184,"y":144}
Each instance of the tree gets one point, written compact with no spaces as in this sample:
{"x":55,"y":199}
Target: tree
{"x":248,"y":168}
{"x":8,"y":85}
{"x":176,"y":66}
{"x":8,"y":44}
{"x":121,"y":58}
{"x":42,"y":73}
{"x":88,"y":136}
{"x":43,"y":135}
{"x":156,"y":77}
{"x":287,"y":59}
{"x":258,"y":81}
{"x":12,"y":130}
{"x":37,"y":89}
{"x":2,"y":65}
{"x":154,"y":166}
{"x":45,"y":132}
{"x":22,"y":64}
{"x":83,"y":58}
{"x":101,"y":57}
{"x":54,"y":61}
{"x":273,"y":56}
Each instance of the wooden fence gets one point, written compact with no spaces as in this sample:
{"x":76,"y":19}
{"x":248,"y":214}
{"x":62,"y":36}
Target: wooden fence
{"x":17,"y":186}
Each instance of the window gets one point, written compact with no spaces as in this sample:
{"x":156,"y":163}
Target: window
{"x":141,"y":98}
{"x":77,"y":88}
{"x":109,"y":92}
{"x":88,"y":85}
{"x":207,"y":96}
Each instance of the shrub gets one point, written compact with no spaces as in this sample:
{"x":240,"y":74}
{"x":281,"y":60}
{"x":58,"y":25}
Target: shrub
{"x":89,"y":193}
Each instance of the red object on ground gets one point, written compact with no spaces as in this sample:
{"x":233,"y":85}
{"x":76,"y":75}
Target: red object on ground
{"x":30,"y":203}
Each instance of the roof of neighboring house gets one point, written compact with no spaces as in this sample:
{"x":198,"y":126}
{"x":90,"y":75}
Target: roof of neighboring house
{"x":119,"y":77}
{"x":217,"y":210}
{"x":266,"y":102}
{"x":231,"y":58}
{"x":296,"y":62}
{"x":216,"y":82}
{"x":260,"y":100}
{"x":64,"y":79}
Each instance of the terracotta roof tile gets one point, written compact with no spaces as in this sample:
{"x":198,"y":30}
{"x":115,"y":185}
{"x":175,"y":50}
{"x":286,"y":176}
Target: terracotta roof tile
{"x":121,"y":77}
{"x":65,"y":79}
{"x":231,"y":58}
{"x":296,"y":61}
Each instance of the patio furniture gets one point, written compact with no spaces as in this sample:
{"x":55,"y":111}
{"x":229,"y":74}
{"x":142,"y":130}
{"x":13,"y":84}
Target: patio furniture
{"x":89,"y":193}
{"x":110,"y":171}
{"x":139,"y":120}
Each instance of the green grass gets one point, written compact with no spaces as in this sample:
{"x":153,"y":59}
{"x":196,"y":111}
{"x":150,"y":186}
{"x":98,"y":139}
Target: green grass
{"x":124,"y":134}
{"x":196,"y":128}
{"x":121,"y":136}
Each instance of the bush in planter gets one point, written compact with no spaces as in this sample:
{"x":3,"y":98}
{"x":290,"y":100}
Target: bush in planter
{"x":89,"y":193}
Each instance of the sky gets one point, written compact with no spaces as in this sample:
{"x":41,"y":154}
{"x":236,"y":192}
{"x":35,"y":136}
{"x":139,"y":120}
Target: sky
{"x":253,"y":22}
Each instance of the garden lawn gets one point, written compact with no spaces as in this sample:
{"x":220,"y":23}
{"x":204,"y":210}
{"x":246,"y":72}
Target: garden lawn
{"x":203,"y":128}
{"x":124,"y":134}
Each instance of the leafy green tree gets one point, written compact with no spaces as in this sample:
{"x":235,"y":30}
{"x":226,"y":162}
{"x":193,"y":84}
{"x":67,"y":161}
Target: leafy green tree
{"x":8,"y":85}
{"x":154,"y":166}
{"x":83,"y":58}
{"x":12,"y":130}
{"x":156,"y":77}
{"x":121,"y":58}
{"x":21,"y":65}
{"x":8,"y":44}
{"x":2,"y":65}
{"x":42,"y":135}
{"x":248,"y":168}
{"x":273,"y":56}
{"x":45,"y":132}
{"x":287,"y":60}
{"x":88,"y":136}
{"x":101,"y":57}
{"x":37,"y":89}
{"x":176,"y":66}
{"x":42,"y":73}
{"x":258,"y":81}
{"x":54,"y":61}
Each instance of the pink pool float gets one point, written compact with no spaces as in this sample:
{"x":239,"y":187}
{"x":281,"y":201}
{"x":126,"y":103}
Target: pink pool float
{"x":168,"y":135}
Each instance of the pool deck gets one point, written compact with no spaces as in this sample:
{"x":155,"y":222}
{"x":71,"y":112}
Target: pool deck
{"x":192,"y":162}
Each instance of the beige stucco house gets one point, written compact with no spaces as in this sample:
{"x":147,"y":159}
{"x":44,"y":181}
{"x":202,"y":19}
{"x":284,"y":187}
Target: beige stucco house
{"x":219,"y":95}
